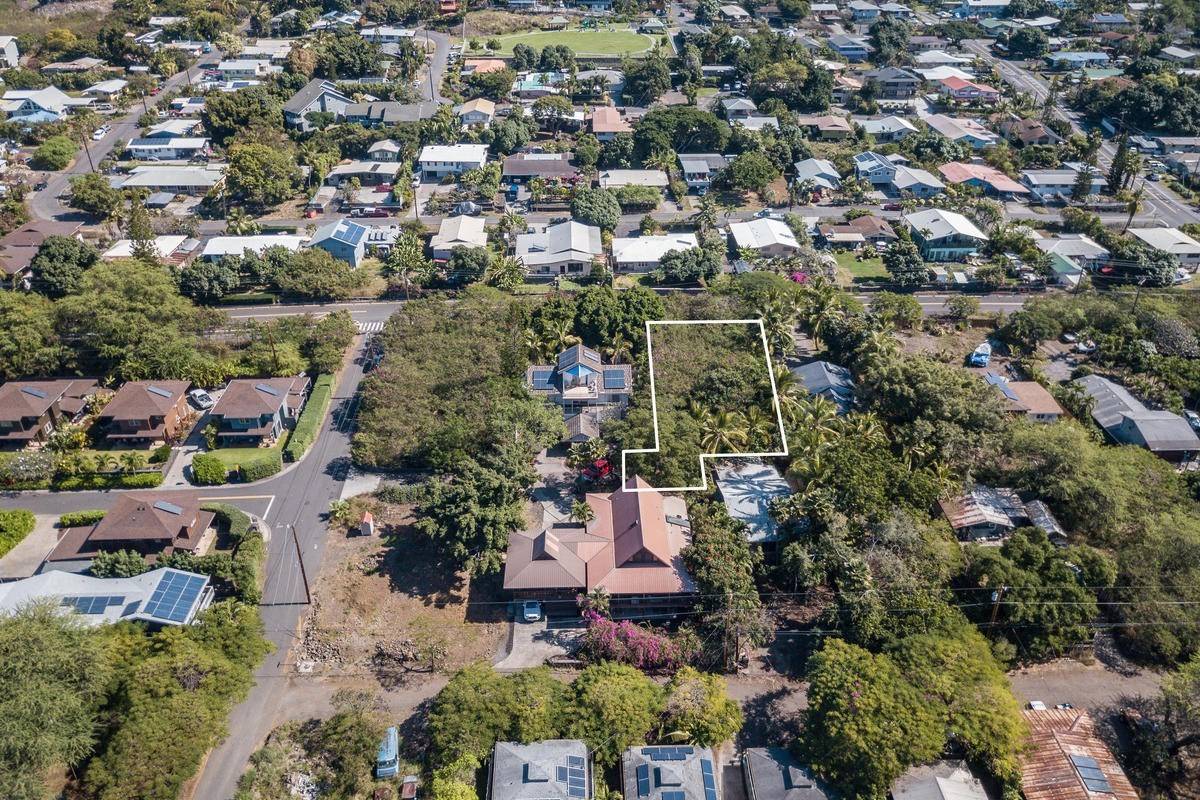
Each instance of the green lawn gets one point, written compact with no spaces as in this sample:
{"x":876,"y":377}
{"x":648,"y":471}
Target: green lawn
{"x":584,"y":43}
{"x":851,"y":269}
{"x":234,"y":457}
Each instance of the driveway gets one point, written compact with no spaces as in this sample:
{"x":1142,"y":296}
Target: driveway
{"x":24,"y":559}
{"x":533,"y":643}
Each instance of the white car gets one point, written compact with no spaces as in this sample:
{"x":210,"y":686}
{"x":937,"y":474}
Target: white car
{"x":98,"y":134}
{"x":531,"y":611}
{"x":202,"y":399}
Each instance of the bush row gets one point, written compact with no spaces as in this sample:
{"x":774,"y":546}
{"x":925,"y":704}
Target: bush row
{"x":264,"y":466}
{"x":249,"y":551}
{"x":135,"y":480}
{"x":15,"y":525}
{"x":77,"y":519}
{"x":311,"y":418}
{"x":208,"y":470}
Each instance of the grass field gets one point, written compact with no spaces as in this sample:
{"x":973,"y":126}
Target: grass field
{"x":584,"y":43}
{"x":850,"y":269}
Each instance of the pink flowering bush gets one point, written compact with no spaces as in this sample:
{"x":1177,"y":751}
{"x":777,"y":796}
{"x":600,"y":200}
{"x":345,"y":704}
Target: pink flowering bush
{"x":628,"y":643}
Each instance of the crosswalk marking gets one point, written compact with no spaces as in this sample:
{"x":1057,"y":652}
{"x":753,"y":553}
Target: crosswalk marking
{"x":369,"y":327}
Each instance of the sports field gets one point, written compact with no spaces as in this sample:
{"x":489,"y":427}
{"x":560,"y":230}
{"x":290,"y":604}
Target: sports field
{"x":584,"y":43}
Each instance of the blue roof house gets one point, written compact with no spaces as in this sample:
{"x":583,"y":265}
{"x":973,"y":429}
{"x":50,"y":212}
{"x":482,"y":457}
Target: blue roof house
{"x":342,"y":239}
{"x":1068,"y":59}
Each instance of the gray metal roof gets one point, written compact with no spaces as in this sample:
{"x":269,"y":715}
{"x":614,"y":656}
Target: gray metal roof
{"x":668,"y":773}
{"x":831,"y":381}
{"x":540,"y":771}
{"x":301,"y":100}
{"x":748,"y":489}
{"x":773,"y":773}
{"x":1127,"y":421}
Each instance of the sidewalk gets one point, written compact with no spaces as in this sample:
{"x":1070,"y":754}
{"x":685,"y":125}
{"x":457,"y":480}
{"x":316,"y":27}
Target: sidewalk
{"x":24,"y":559}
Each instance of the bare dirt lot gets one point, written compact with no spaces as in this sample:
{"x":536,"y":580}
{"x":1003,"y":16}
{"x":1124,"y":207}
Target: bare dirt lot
{"x":387,"y":605}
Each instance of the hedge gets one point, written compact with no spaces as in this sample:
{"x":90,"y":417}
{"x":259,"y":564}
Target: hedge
{"x":135,"y":480}
{"x":249,"y":551}
{"x":208,"y":470}
{"x":77,"y":519}
{"x":264,"y":466}
{"x":309,"y":424}
{"x":248,"y":299}
{"x":15,"y":525}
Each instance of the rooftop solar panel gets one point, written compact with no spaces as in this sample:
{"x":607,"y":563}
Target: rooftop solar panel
{"x":614,"y":379}
{"x":643,"y":780}
{"x":1085,"y":761}
{"x":170,"y":508}
{"x":175,"y":596}
{"x":541,"y":378}
{"x":271,"y":390}
{"x":34,"y":391}
{"x":1101,"y":785}
{"x":576,"y":792}
{"x":92,"y":604}
{"x":158,"y":390}
{"x":673,"y":796}
{"x":575,"y":761}
{"x":560,"y":774}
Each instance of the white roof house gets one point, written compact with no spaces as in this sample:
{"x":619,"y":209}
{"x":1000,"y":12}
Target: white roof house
{"x":1076,"y":247}
{"x":643,"y":253}
{"x":461,"y":231}
{"x":1173,"y":241}
{"x":172,"y":128}
{"x":958,"y":130}
{"x":933,"y":74}
{"x":107,"y":88}
{"x":568,"y":246}
{"x":51,"y":99}
{"x":190,"y":180}
{"x":887,"y":129}
{"x":821,"y":172}
{"x":441,"y":159}
{"x":940,"y":224}
{"x":221,"y":246}
{"x":162,"y":596}
{"x":940,"y":58}
{"x":613,"y":178}
{"x":770,"y":237}
{"x":164,"y":246}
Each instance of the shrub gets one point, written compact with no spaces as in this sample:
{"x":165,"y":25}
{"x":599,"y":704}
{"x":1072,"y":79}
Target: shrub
{"x":54,"y":154}
{"x":15,"y":525}
{"x":77,"y":519}
{"x":248,"y":299}
{"x":627,"y":643}
{"x":264,"y":466}
{"x":250,"y":551}
{"x":119,"y":564}
{"x":234,"y":518}
{"x":208,"y":470}
{"x":160,"y":454}
{"x":136,"y":480}
{"x":309,"y":424}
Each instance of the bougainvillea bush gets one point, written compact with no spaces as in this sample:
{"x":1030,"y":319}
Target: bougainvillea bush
{"x":628,"y":643}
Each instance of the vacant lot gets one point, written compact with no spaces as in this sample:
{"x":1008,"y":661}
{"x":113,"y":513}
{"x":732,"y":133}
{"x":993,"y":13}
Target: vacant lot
{"x":852,"y":269}
{"x":383,"y":603}
{"x":584,"y":43}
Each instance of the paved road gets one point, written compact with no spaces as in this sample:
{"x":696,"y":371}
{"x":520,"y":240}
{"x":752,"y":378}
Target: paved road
{"x":1160,"y":206}
{"x":437,"y":65}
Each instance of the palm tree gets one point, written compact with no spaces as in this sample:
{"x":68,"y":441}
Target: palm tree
{"x":815,"y":416}
{"x":535,"y":346}
{"x":132,"y":461}
{"x":723,"y":432}
{"x":619,"y":350}
{"x":760,"y":427}
{"x":866,"y":426}
{"x":821,"y":309}
{"x":581,"y":512}
{"x":661,"y":159}
{"x":505,"y":272}
{"x":778,"y":314}
{"x":705,"y":217}
{"x":561,"y":336}
{"x":878,"y":347}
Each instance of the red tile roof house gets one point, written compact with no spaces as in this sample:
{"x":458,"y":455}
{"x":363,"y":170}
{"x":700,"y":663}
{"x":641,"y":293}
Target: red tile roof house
{"x":981,"y":176}
{"x":150,"y":523}
{"x":968,"y":91}
{"x":143,"y":412}
{"x":631,"y":549}
{"x":253,"y":411}
{"x":31,"y":410}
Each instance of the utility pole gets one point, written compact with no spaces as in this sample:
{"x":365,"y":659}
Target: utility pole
{"x":88,"y":153}
{"x":300,"y":558}
{"x":1137,"y":296}
{"x":997,"y":596}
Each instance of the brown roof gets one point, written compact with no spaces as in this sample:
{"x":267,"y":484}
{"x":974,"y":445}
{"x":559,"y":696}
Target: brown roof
{"x":144,"y":399}
{"x":20,"y":399}
{"x":32,"y":234}
{"x":607,"y":119}
{"x":254,"y":397}
{"x":628,"y":548}
{"x":482,"y":65}
{"x":1048,"y":772}
{"x":542,"y":165}
{"x":871,"y":225}
{"x":149,"y":516}
{"x":1032,"y":398}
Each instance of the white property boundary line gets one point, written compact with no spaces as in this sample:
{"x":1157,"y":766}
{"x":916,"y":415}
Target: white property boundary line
{"x":654,"y":406}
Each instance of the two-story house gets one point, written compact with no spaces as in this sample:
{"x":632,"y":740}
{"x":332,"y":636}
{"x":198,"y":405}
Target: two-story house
{"x":578,"y":380}
{"x":699,"y":169}
{"x":316,"y":96}
{"x":343,"y":239}
{"x":31,"y":410}
{"x":893,"y":83}
{"x":252,"y":411}
{"x":439,"y":160}
{"x":143,"y":412}
{"x":944,"y":235}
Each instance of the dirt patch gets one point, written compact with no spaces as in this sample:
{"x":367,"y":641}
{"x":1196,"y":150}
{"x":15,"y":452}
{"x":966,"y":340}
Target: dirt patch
{"x":391,"y":607}
{"x":499,"y":23}
{"x":947,"y":343}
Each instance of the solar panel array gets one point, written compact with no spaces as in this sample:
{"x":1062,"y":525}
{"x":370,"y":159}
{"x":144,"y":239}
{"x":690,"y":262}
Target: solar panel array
{"x":668,"y":753}
{"x":175,"y":596}
{"x":1002,"y":384}
{"x":93,"y":604}
{"x":574,"y":776}
{"x":1091,"y":774}
{"x":541,"y":378}
{"x":643,"y":780}
{"x":271,"y":390}
{"x":158,"y":391}
{"x":614,"y":379}
{"x":710,"y":782}
{"x":170,"y":508}
{"x":350,"y":233}
{"x":674,"y":795}
{"x":34,"y":391}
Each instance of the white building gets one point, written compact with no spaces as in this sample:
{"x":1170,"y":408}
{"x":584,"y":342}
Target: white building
{"x":615,"y":178}
{"x":244,"y":68}
{"x":439,"y":160}
{"x":944,"y":235}
{"x":770,"y":238}
{"x":461,"y":231}
{"x":1078,"y":248}
{"x":1173,"y":241}
{"x":699,"y":169}
{"x":568,"y":248}
{"x":164,"y":149}
{"x":164,"y":246}
{"x":643,"y":253}
{"x":887,"y":129}
{"x":968,"y":131}
{"x":161,"y":596}
{"x":107,"y":90}
{"x":177,"y":180}
{"x":1049,"y":184}
{"x":10,"y":56}
{"x":386,"y":34}
{"x":219,"y":247}
{"x":819,"y":172}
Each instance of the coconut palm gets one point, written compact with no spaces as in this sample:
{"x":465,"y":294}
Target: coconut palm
{"x":560,"y":336}
{"x":878,"y":347}
{"x":820,"y":308}
{"x":778,"y":314}
{"x":505,"y":272}
{"x":619,"y":350}
{"x":661,"y":159}
{"x":760,"y":427}
{"x":581,"y":512}
{"x":816,"y":417}
{"x":535,"y":346}
{"x":866,"y":426}
{"x":132,"y":462}
{"x":723,"y":432}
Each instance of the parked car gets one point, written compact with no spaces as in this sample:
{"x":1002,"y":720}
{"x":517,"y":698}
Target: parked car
{"x":201,"y":399}
{"x":981,"y":356}
{"x":1193,"y":419}
{"x":387,"y":761}
{"x":369,"y":211}
{"x":891,"y":206}
{"x":408,"y":789}
{"x":531,"y":611}
{"x":98,"y":134}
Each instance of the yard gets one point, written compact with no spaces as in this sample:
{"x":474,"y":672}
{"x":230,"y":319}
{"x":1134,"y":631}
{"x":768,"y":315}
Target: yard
{"x":852,"y":270}
{"x":584,"y":43}
{"x":234,"y":457}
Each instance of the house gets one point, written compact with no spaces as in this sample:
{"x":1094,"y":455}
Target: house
{"x":31,"y":410}
{"x":875,"y":168}
{"x":539,"y":84}
{"x":602,"y":81}
{"x":220,"y":247}
{"x":1108,"y":21}
{"x":246,"y":69}
{"x":379,"y":113}
{"x":630,"y":548}
{"x":857,"y":232}
{"x":940,"y":58}
{"x":616,"y":178}
{"x":143,"y":412}
{"x":1178,"y":144}
{"x":749,"y":490}
{"x":522,"y":167}
{"x":773,"y":773}
{"x":252,"y":411}
{"x":933,"y":74}
{"x":386,"y":34}
{"x":845,"y":87}
{"x":893,"y":83}
{"x":1026,"y":132}
{"x":643,"y":253}
{"x":1065,"y":759}
{"x":385,"y":150}
{"x":18,"y":248}
{"x":989,"y":179}
{"x":818,"y":172}
{"x":940,"y":780}
{"x":191,"y":180}
{"x":477,"y":113}
{"x":438,"y":160}
{"x":161,"y":596}
{"x":852,"y":48}
{"x":1058,"y":184}
{"x":699,"y":169}
{"x":757,"y":122}
{"x":152,"y":524}
{"x":825,"y":126}
{"x":163,"y":149}
{"x":1078,"y":248}
{"x":968,"y":91}
{"x":168,"y":247}
{"x":343,"y":239}
{"x":831,"y":381}
{"x":967,"y":131}
{"x":460,"y":231}
{"x":1027,"y":398}
{"x":317,"y":96}
{"x":769,"y":238}
{"x":653,"y":27}
{"x":274,"y":50}
{"x":75,"y":66}
{"x":606,"y":122}
{"x":1127,"y":421}
{"x":568,"y":248}
{"x":1076,"y":59}
{"x":734,"y":15}
{"x":108,"y":90}
{"x":1173,"y":241}
{"x":554,"y":769}
{"x":10,"y":55}
{"x":885,"y":130}
{"x":862,"y":11}
{"x":944,"y":235}
{"x":368,"y":173}
{"x":985,"y":513}
{"x":738,"y":107}
{"x":1177,"y":54}
{"x":46,"y":105}
{"x":981,"y":9}
{"x":578,"y":380}
{"x":896,"y":10}
{"x":914,"y":182}
{"x":670,"y":773}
